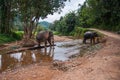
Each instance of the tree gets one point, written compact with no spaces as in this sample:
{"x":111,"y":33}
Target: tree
{"x":103,"y":14}
{"x":32,"y":10}
{"x":70,"y":20}
{"x":66,"y":24}
{"x":5,"y":16}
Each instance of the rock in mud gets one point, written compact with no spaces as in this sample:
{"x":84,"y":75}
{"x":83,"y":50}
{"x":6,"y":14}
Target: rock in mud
{"x":59,"y":65}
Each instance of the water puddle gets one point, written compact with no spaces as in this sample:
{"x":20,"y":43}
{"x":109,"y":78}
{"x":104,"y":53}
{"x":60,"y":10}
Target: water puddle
{"x":62,"y":51}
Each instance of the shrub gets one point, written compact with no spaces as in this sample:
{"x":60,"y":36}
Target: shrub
{"x":79,"y":32}
{"x":17,"y":35}
{"x":5,"y":38}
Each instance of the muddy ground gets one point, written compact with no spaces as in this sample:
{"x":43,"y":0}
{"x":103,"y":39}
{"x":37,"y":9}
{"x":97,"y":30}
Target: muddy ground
{"x":103,"y":64}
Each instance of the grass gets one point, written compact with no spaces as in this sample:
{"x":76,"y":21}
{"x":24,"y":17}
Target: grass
{"x":19,"y":32}
{"x":5,"y":38}
{"x":79,"y":32}
{"x":56,"y":33}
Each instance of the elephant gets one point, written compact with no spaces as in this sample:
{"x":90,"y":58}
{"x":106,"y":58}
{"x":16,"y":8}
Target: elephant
{"x":118,"y":32}
{"x":44,"y":36}
{"x":90,"y":35}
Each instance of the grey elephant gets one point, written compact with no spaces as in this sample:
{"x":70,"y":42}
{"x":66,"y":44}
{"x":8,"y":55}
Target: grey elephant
{"x":45,"y":36}
{"x":90,"y":35}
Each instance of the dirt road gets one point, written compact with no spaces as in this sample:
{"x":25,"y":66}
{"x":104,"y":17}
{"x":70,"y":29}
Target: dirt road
{"x":103,"y":65}
{"x":109,"y":34}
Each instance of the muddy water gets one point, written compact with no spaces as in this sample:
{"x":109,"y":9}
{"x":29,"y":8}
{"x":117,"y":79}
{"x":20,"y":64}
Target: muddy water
{"x":62,"y":51}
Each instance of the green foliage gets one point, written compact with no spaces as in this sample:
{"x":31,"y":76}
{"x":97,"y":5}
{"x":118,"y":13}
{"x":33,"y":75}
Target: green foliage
{"x":33,"y":10}
{"x":57,"y":33}
{"x":25,"y":14}
{"x":17,"y":35}
{"x":103,"y":14}
{"x":5,"y":17}
{"x":65,"y":25}
{"x":84,"y":17}
{"x":70,"y":20}
{"x":5,"y":38}
{"x":18,"y":25}
{"x":79,"y":32}
{"x":44,"y":24}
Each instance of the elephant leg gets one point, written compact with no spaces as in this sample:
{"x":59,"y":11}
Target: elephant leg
{"x":50,"y":51}
{"x":94,"y":40}
{"x":45,"y":43}
{"x":98,"y":41}
{"x":45,"y":51}
{"x":91,"y":39}
{"x":84,"y":41}
{"x":39,"y":44}
{"x":53,"y":41}
{"x":49,"y":40}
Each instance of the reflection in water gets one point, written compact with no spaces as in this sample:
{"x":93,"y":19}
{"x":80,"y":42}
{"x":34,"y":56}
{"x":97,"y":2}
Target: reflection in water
{"x":9,"y":61}
{"x":62,"y":51}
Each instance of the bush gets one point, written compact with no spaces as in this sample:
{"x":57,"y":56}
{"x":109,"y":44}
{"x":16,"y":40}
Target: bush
{"x":5,"y":38}
{"x":17,"y":35}
{"x":57,"y":33}
{"x":79,"y":32}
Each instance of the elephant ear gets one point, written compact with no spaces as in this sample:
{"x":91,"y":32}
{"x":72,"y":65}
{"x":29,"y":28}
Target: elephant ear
{"x":95,"y":34}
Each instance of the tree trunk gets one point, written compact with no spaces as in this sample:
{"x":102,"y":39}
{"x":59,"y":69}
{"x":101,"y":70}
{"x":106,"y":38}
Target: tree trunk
{"x":5,"y":17}
{"x":35,"y":29}
{"x":30,"y":29}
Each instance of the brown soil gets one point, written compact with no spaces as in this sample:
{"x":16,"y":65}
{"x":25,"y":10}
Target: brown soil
{"x":103,"y":65}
